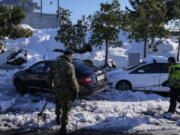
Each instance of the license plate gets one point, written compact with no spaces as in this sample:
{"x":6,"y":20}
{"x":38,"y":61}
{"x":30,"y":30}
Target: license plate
{"x":100,"y":77}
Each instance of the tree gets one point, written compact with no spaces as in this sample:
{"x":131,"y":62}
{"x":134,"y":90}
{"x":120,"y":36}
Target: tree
{"x":177,"y":11}
{"x":72,"y":36}
{"x":175,"y":20}
{"x":10,"y":18}
{"x":146,"y":21}
{"x":64,"y":34}
{"x":27,"y":5}
{"x":79,"y":34}
{"x":105,"y":26}
{"x":177,"y":25}
{"x":172,"y":6}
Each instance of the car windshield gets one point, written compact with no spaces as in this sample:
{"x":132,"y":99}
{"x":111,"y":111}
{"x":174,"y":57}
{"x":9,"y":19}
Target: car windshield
{"x":134,"y":66}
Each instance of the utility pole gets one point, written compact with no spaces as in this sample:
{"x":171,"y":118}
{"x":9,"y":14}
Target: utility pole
{"x":57,"y":5}
{"x":41,"y":7}
{"x":58,"y":9}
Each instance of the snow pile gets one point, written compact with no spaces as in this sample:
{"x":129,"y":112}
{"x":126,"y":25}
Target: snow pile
{"x":25,"y":26}
{"x":42,"y":44}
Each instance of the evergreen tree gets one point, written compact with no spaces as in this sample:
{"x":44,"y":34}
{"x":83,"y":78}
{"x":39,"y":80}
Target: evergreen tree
{"x":80,"y":31}
{"x":176,"y":23}
{"x":27,"y":5}
{"x":172,"y":6}
{"x":146,"y":21}
{"x":10,"y":19}
{"x":64,"y":34}
{"x":105,"y":26}
{"x":177,"y":10}
{"x":171,"y":12}
{"x":72,"y":36}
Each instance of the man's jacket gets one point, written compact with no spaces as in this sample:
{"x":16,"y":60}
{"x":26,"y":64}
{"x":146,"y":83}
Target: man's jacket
{"x":62,"y":76}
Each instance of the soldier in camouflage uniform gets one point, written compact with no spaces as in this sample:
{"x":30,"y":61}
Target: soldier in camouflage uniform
{"x":62,"y":79}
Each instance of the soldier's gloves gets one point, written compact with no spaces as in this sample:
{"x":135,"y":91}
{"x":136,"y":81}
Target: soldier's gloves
{"x":164,"y":84}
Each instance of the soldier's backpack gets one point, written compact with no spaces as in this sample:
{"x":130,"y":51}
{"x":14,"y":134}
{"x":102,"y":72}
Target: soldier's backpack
{"x":174,"y":79}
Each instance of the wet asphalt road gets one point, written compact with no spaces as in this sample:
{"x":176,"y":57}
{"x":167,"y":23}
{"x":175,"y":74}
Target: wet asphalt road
{"x":88,"y":132}
{"x":79,"y":132}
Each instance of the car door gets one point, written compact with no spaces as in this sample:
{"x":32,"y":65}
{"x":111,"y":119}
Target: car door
{"x":164,"y":76}
{"x":146,"y":77}
{"x":35,"y":76}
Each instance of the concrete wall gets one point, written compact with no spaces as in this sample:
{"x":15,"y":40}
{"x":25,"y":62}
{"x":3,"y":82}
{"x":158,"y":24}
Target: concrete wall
{"x":39,"y":21}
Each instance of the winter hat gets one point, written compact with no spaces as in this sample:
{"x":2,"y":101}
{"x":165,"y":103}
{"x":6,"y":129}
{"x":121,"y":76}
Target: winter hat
{"x":68,"y":52}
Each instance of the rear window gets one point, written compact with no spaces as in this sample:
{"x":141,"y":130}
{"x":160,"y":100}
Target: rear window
{"x":82,"y":68}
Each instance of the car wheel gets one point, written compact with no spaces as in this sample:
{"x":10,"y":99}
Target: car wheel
{"x":20,"y":86}
{"x":124,"y":85}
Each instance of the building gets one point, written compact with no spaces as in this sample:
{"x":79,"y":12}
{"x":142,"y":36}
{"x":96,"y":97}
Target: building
{"x":41,"y":20}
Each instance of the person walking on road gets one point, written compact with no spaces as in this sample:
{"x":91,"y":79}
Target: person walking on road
{"x":63,"y":81}
{"x":173,"y":83}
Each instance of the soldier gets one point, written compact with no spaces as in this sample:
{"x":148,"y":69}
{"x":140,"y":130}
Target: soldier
{"x":62,"y":80}
{"x":173,"y":82}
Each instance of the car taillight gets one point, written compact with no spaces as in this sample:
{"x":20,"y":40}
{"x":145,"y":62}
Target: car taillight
{"x":86,"y":80}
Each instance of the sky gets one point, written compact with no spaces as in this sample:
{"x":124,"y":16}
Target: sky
{"x":78,"y":7}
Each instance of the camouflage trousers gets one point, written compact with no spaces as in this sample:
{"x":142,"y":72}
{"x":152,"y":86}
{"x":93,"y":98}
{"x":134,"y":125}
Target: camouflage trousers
{"x":63,"y":106}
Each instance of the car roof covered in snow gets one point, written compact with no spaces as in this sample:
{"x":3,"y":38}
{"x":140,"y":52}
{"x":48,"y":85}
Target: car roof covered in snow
{"x":158,"y":59}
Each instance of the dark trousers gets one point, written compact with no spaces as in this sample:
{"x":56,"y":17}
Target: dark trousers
{"x":174,"y":97}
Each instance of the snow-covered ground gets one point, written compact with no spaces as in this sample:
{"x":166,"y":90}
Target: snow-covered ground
{"x":109,"y":110}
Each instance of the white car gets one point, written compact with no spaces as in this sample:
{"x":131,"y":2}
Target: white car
{"x":144,"y":76}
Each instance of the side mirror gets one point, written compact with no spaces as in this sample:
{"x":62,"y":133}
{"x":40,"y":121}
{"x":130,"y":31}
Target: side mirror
{"x":141,"y":71}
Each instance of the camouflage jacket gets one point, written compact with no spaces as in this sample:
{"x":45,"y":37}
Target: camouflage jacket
{"x":62,"y":76}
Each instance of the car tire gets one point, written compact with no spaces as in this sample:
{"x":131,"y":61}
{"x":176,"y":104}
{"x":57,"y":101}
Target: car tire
{"x":124,"y":85}
{"x":20,"y":86}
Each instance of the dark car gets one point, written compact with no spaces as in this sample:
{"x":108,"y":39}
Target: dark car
{"x":34,"y":78}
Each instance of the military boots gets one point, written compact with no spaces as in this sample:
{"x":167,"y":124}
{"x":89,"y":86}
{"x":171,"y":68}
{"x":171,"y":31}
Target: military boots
{"x":63,"y":130}
{"x":58,"y":120}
